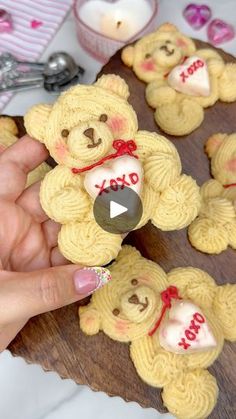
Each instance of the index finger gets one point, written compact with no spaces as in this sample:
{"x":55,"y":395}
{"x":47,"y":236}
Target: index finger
{"x":15,"y":164}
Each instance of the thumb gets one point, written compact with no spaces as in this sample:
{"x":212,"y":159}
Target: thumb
{"x":23,"y":295}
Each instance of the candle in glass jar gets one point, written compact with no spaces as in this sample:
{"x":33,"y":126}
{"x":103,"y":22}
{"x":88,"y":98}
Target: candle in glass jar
{"x":119,"y":20}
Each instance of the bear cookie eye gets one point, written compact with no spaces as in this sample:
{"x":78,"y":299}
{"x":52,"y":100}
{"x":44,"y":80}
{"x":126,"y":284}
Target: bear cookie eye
{"x":134,"y":281}
{"x":103,"y":118}
{"x":65,"y":133}
{"x":116,"y":312}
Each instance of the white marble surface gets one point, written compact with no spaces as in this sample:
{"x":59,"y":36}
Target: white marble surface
{"x":26,"y":391}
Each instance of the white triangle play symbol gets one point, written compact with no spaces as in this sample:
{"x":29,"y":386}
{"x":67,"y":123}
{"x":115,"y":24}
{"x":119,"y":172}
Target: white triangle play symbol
{"x":116,"y":209}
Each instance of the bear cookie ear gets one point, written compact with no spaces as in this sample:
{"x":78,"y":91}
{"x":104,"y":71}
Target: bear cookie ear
{"x":115,"y":84}
{"x":35,"y":121}
{"x":127,"y":55}
{"x":90,"y":320}
{"x":213,"y":144}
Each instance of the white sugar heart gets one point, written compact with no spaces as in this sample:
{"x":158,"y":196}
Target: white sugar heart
{"x":125,"y":171}
{"x":186,"y":329}
{"x":191,"y":78}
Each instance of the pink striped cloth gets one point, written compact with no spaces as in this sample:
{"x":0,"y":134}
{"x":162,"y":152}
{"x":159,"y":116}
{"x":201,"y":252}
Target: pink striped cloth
{"x":25,"y":42}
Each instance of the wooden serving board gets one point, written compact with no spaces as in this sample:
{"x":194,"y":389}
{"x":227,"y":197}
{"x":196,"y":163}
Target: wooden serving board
{"x":55,"y":341}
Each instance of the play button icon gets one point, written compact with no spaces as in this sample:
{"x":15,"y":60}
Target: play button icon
{"x":118,"y":211}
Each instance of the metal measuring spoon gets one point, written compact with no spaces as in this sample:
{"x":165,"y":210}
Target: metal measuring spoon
{"x":59,"y":70}
{"x":9,"y":62}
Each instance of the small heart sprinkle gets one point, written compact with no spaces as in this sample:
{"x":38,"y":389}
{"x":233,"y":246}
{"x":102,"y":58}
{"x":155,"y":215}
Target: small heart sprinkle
{"x":35,"y":24}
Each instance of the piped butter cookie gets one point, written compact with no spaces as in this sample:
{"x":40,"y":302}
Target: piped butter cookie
{"x":175,"y":323}
{"x":181,"y":80}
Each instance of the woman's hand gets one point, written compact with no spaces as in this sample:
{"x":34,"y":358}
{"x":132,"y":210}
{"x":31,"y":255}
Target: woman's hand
{"x":34,"y":276}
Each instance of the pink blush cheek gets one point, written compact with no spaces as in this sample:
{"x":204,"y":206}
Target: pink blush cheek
{"x":121,"y":327}
{"x":118,"y":125}
{"x":181,"y":43}
{"x":231,"y":165}
{"x":148,"y":65}
{"x":61,"y":151}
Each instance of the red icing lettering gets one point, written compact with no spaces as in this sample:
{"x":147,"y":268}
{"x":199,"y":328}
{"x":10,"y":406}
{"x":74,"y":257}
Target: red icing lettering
{"x":192,"y":331}
{"x":134,"y":178}
{"x":102,"y":187}
{"x":200,"y":63}
{"x":183,"y":76}
{"x":193,"y":326}
{"x":199,"y":318}
{"x":114,"y":185}
{"x":190,"y":335}
{"x":119,"y":181}
{"x":123,"y":181}
{"x":184,"y":344}
{"x":191,"y":69}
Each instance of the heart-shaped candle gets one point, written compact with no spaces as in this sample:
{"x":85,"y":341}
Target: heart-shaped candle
{"x":197,"y":15}
{"x":191,"y":77}
{"x":186,"y":329}
{"x":125,"y":171}
{"x":117,"y":19}
{"x":220,"y":31}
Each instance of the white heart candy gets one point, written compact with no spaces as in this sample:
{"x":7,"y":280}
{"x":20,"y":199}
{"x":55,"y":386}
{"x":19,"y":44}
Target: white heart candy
{"x":186,"y":329}
{"x":191,"y":77}
{"x":120,"y":172}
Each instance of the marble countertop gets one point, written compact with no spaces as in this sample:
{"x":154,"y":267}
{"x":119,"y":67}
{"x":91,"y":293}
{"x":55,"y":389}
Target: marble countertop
{"x":27,"y":392}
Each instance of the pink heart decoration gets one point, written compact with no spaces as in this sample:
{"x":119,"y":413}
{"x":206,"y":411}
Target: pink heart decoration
{"x":186,"y":329}
{"x":220,"y":31}
{"x":197,"y":15}
{"x":35,"y":24}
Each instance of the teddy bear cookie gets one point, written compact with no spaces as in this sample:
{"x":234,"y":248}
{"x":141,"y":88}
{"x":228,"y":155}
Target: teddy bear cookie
{"x":175,"y":323}
{"x":215,"y":227}
{"x":92,"y":133}
{"x":181,"y":80}
{"x":8,"y":136}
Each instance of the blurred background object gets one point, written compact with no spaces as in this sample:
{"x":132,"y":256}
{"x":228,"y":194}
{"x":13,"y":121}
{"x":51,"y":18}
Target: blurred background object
{"x":103,"y":27}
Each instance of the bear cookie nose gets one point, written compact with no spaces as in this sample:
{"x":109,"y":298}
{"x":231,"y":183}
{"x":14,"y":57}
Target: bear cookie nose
{"x":138,"y":304}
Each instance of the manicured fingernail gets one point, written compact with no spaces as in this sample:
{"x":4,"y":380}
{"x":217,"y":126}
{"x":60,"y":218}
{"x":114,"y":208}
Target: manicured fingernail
{"x":88,"y":280}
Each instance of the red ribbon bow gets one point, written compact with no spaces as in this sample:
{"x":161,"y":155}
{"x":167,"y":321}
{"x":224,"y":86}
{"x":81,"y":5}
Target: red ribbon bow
{"x":122,"y":147}
{"x":229,"y":186}
{"x":167,"y":295}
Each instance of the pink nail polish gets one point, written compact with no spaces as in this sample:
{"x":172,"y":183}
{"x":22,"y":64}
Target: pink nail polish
{"x":88,"y":280}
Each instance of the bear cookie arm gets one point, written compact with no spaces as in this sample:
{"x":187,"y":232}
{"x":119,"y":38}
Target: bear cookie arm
{"x":128,"y":307}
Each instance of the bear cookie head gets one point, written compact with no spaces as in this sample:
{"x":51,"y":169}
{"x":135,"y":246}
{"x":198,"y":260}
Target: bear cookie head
{"x":157,"y":52}
{"x":176,"y":324}
{"x":126,"y":308}
{"x":79,"y":129}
